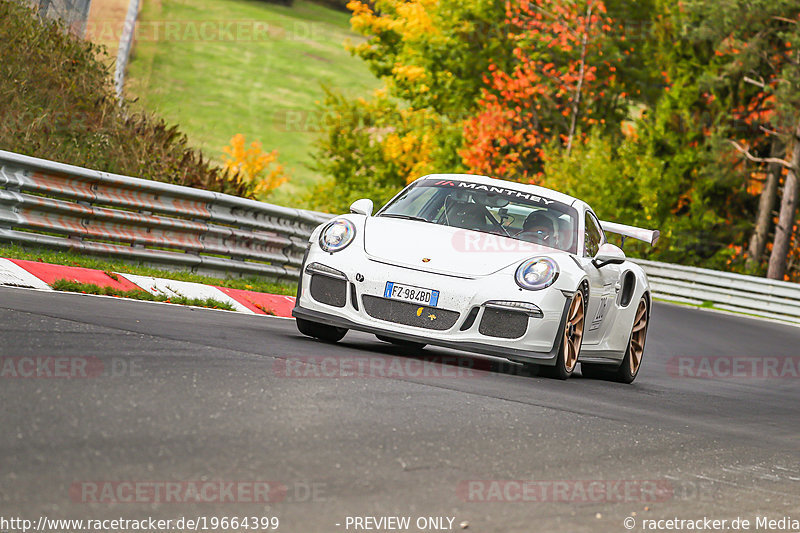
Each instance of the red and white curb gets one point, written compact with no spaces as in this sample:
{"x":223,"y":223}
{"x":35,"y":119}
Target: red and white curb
{"x":36,"y":275}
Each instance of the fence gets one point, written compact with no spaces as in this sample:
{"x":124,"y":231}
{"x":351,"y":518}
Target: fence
{"x":62,"y":206}
{"x":73,"y":13}
{"x":725,"y":290}
{"x":125,"y":46}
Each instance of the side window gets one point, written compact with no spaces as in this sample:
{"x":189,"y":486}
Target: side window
{"x":593,"y":236}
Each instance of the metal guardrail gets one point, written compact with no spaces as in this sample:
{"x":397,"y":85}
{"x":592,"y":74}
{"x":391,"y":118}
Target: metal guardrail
{"x":66,"y":207}
{"x":725,"y":290}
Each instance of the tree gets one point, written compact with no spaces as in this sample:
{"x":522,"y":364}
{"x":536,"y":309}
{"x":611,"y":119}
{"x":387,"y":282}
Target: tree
{"x":249,"y":167}
{"x":756,"y":44}
{"x":784,"y":230}
{"x":373,"y":147}
{"x":433,"y":53}
{"x":667,"y":166}
{"x":563,"y":82}
{"x":766,"y":205}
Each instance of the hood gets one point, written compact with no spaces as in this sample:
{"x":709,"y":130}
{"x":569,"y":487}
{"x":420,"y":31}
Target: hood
{"x":451,"y":251}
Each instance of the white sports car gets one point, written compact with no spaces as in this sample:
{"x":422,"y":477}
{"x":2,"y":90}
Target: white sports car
{"x":482,"y":265}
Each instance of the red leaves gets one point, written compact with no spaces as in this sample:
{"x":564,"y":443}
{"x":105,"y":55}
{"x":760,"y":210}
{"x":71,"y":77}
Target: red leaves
{"x":549,"y":94}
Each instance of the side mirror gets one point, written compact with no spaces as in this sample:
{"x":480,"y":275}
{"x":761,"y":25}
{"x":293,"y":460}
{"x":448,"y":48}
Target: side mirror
{"x":362,"y":207}
{"x":608,"y":254}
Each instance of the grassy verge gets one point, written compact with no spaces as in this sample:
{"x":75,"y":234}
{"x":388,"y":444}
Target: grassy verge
{"x":258,"y":71}
{"x":66,"y":285}
{"x":14,"y":251}
{"x":57,"y":102}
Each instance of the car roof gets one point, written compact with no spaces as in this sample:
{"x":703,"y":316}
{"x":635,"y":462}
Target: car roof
{"x":495,"y":182}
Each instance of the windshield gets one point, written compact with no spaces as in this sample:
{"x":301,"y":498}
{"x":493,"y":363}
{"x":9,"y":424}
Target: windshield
{"x":489,"y":209}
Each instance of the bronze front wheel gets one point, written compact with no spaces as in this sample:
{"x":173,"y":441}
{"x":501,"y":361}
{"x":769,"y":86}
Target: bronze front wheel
{"x":571,"y":339}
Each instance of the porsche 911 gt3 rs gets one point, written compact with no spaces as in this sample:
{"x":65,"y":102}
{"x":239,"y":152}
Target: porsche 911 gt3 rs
{"x":481,"y":265}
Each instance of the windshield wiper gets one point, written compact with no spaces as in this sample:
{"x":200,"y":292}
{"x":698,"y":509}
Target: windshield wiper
{"x":405,"y":217}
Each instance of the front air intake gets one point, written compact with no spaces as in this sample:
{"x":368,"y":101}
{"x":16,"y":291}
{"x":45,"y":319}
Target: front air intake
{"x":503,"y":323}
{"x":409,"y":314}
{"x":328,"y":290}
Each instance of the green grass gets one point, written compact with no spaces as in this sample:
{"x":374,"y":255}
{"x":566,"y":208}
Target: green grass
{"x":57,"y":102}
{"x":66,"y":285}
{"x":14,"y":251}
{"x":217,"y":88}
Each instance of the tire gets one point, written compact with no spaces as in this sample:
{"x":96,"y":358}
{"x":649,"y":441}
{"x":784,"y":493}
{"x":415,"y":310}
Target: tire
{"x":571,"y":340}
{"x":400,"y":342}
{"x":632,"y":362}
{"x":319,"y":331}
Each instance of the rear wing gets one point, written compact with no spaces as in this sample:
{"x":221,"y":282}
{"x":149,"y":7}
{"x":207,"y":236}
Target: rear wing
{"x":646,"y":235}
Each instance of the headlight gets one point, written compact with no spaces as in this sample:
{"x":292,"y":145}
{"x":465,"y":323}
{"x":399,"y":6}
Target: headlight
{"x":337,"y":235}
{"x":537,"y":273}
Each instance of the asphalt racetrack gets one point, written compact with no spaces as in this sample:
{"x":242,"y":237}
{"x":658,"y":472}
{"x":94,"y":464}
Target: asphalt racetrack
{"x":162,"y":394}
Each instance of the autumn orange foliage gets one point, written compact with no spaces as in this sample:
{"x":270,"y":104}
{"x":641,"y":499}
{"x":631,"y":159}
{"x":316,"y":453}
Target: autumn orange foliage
{"x":557,"y":87}
{"x":248,"y":166}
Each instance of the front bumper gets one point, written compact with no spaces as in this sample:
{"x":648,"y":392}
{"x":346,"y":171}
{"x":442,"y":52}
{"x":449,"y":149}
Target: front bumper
{"x":366,"y":277}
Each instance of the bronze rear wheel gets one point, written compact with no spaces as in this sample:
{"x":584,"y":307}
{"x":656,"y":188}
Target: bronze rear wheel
{"x":638,"y":335}
{"x":632,"y":361}
{"x":573,"y":332}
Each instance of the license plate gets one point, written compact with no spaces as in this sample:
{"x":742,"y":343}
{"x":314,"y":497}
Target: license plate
{"x":409,"y":293}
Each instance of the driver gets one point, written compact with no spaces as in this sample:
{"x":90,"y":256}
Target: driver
{"x":538,"y":228}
